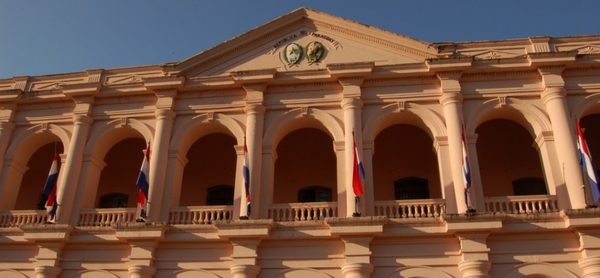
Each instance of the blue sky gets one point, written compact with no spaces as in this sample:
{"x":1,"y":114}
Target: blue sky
{"x":49,"y":37}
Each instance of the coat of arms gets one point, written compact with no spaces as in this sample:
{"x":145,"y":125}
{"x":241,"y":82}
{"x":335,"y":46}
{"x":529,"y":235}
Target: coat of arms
{"x":314,"y":52}
{"x":292,"y":53}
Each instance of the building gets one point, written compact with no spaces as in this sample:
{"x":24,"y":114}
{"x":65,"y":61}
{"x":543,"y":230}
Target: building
{"x":298,"y":91}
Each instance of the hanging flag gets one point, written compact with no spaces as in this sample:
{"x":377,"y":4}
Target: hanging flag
{"x":143,"y":185}
{"x":358,"y":177}
{"x":466,"y":169}
{"x":246,"y":174}
{"x":48,"y":198}
{"x":585,"y":159}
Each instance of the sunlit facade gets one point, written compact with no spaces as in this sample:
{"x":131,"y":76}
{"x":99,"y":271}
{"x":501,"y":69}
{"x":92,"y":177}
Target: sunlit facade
{"x":299,"y":92}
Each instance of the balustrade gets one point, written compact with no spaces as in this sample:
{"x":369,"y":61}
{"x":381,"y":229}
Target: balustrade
{"x":522,"y":204}
{"x":106,"y":217}
{"x":16,"y":218}
{"x":303,"y":211}
{"x":199,"y":214}
{"x":421,"y":208}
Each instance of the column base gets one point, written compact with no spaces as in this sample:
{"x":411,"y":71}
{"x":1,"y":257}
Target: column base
{"x":141,"y":271}
{"x":474,"y":269}
{"x":46,"y":271}
{"x":244,"y":271}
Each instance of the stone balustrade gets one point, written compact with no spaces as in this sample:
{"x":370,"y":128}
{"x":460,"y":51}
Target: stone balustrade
{"x":199,"y":214}
{"x":303,"y":211}
{"x":106,"y":217}
{"x":16,"y":218}
{"x":522,"y":204}
{"x":420,"y":208}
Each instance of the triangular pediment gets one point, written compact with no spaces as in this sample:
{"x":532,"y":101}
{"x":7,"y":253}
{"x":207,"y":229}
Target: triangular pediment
{"x":306,"y":40}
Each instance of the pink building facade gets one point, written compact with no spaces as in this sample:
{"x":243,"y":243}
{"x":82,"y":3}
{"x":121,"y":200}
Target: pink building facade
{"x":299,"y":92}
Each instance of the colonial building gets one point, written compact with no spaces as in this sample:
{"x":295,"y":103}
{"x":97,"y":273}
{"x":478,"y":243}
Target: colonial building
{"x":299,"y":92}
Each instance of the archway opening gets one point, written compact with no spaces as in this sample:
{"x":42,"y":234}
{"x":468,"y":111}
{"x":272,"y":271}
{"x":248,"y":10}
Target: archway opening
{"x":117,"y":186}
{"x":34,"y":179}
{"x":209,"y":175}
{"x":405,"y":164}
{"x":305,"y":169}
{"x":509,"y":162}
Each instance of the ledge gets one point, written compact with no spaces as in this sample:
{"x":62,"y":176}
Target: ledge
{"x":472,"y":223}
{"x":244,"y":228}
{"x":46,"y":232}
{"x":357,"y":225}
{"x":137,"y":231}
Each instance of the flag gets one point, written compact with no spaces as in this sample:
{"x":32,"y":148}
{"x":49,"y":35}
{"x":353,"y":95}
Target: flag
{"x":143,"y":185}
{"x":466,"y":169}
{"x":585,"y":159}
{"x":246,"y":175}
{"x":48,"y":198}
{"x":358,"y":174}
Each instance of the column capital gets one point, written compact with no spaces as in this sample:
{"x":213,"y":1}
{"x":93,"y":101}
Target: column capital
{"x":141,"y":271}
{"x":47,"y":271}
{"x":552,"y":76}
{"x":351,"y":81}
{"x":474,"y":268}
{"x":164,"y":114}
{"x":255,"y":93}
{"x":244,"y":270}
{"x":254,"y":108}
{"x":357,"y":269}
{"x":351,"y":103}
{"x":351,"y":86}
{"x":450,"y":97}
{"x":82,"y":119}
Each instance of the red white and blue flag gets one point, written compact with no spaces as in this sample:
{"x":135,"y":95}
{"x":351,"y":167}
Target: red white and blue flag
{"x":358,"y":177}
{"x":143,"y":185}
{"x":246,"y":175}
{"x":49,"y":192}
{"x":585,"y":159}
{"x":466,"y":169}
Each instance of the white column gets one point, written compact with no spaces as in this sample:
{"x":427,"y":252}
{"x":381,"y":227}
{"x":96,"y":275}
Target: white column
{"x":239,"y":190}
{"x":451,"y":100}
{"x":357,"y":251}
{"x":369,"y":198}
{"x":477,"y":197}
{"x":444,"y":166}
{"x":474,"y":251}
{"x":158,"y":162}
{"x":254,"y":133}
{"x":71,"y":170}
{"x":554,"y":98}
{"x":172,"y":191}
{"x":352,"y":107}
{"x":269,"y":156}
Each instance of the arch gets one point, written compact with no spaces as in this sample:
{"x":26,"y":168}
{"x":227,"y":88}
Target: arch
{"x":533,"y":118}
{"x":432,"y":123}
{"x":584,"y":107}
{"x":545,"y":269}
{"x":11,"y":273}
{"x":95,"y":274}
{"x":115,"y":131}
{"x":194,"y":128}
{"x":26,"y":141}
{"x":301,"y":273}
{"x":193,"y":273}
{"x":417,"y":271}
{"x":285,"y":124}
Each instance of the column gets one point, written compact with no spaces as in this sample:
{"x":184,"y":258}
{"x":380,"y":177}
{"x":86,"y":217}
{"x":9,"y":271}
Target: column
{"x":269,"y":156}
{"x":590,"y":253}
{"x":451,"y":100}
{"x":71,"y":170}
{"x":172,"y":191}
{"x":477,"y":197}
{"x":8,"y":107}
{"x":140,"y":271}
{"x":444,"y":165}
{"x":352,"y":107}
{"x":474,"y":256}
{"x":357,"y":252}
{"x":554,"y":98}
{"x":244,"y":258}
{"x":141,"y":258}
{"x":6,"y":129}
{"x":255,"y":113}
{"x":238,"y":194}
{"x":45,"y":271}
{"x":47,"y":259}
{"x":11,"y":174}
{"x":158,"y":162}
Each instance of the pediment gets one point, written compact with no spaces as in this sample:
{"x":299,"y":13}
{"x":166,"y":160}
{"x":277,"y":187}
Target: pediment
{"x":318,"y":40}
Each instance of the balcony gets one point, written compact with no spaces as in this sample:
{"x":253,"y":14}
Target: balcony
{"x":105,"y":216}
{"x":303,"y":211}
{"x":16,"y":218}
{"x":530,"y":204}
{"x":421,"y":208}
{"x":199,"y":214}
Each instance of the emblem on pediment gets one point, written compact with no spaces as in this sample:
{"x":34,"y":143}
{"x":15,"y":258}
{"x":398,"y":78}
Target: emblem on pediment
{"x":292,"y":53}
{"x":314,"y":52}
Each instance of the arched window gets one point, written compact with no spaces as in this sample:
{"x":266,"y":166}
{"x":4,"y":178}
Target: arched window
{"x":529,"y":186}
{"x":114,"y":200}
{"x":411,"y":188}
{"x":314,"y":194}
{"x":220,"y":195}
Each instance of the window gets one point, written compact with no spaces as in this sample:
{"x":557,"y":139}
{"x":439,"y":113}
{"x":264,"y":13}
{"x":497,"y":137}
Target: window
{"x":114,"y":200}
{"x":220,"y":195}
{"x":314,"y":194}
{"x":529,"y":186}
{"x":411,"y":188}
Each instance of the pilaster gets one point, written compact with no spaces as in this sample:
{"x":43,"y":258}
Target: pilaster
{"x":554,"y":98}
{"x":474,"y":255}
{"x":50,"y":239}
{"x":143,"y":239}
{"x":451,"y":101}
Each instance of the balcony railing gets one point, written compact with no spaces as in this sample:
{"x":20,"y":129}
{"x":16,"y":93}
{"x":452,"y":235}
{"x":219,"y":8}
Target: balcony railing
{"x":303,"y":211}
{"x":522,"y":204}
{"x":421,"y":208}
{"x":16,"y":218}
{"x":199,"y":215}
{"x":105,"y":216}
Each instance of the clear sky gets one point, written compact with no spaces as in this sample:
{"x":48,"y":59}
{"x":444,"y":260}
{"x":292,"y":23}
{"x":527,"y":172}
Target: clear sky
{"x":49,"y":37}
